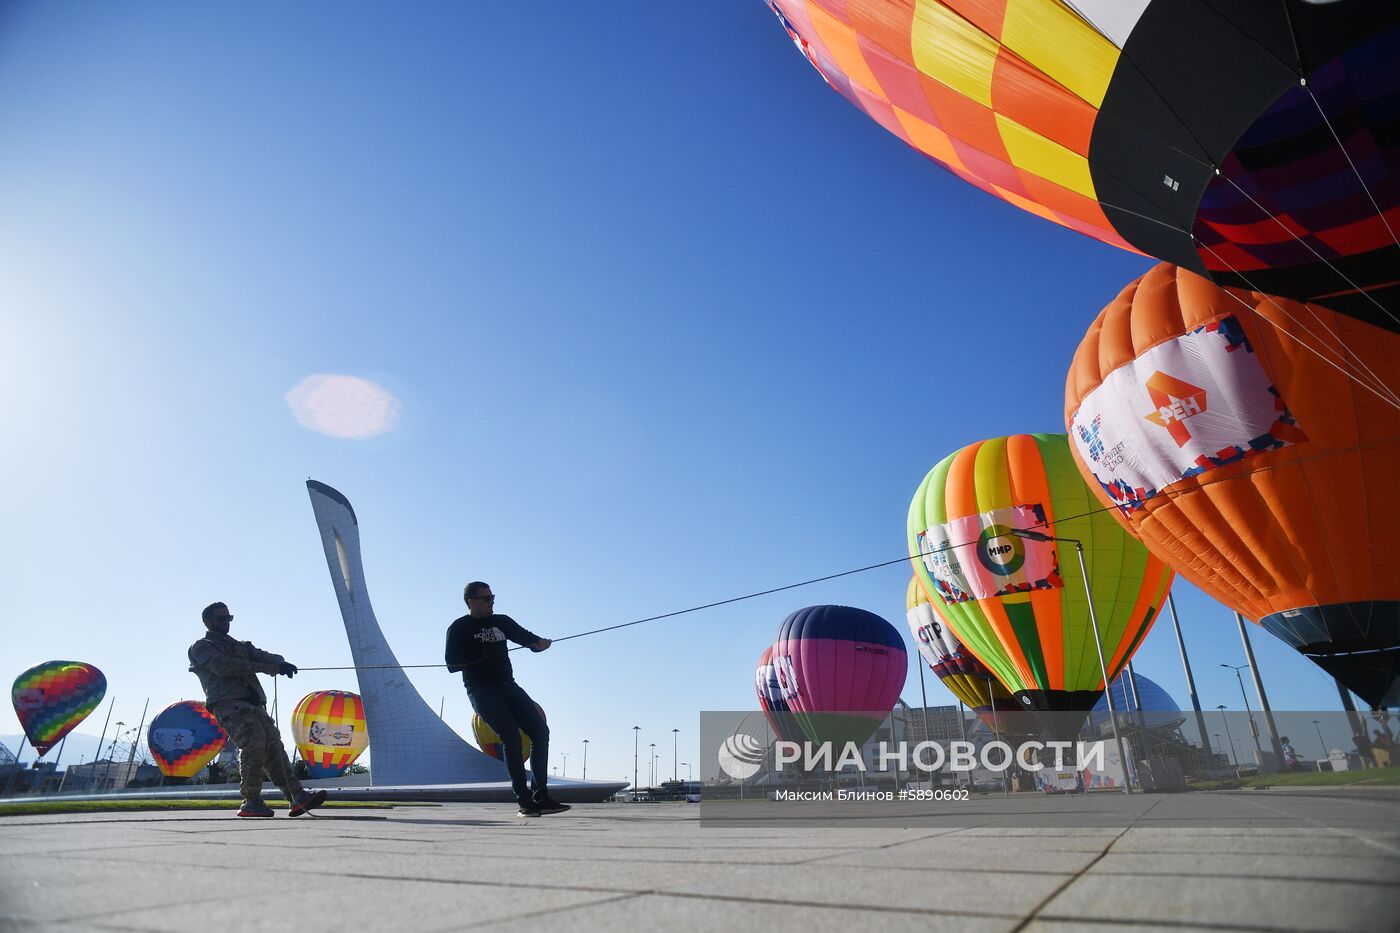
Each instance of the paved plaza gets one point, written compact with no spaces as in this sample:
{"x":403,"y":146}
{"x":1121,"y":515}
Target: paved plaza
{"x":1274,"y":861}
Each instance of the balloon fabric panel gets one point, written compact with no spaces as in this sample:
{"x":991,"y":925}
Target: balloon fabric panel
{"x":1091,"y":115}
{"x":184,"y":737}
{"x":330,"y":731}
{"x":842,"y":670}
{"x":1036,"y":637}
{"x":1294,"y":524}
{"x":52,"y":698}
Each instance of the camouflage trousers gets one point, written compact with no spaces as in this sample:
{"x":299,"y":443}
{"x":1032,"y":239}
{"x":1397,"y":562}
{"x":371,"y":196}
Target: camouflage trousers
{"x":260,"y":753}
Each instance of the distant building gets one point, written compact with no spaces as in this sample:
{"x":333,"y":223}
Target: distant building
{"x":102,"y":774}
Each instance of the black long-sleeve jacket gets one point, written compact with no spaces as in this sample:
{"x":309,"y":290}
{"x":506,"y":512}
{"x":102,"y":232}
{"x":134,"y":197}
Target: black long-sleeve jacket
{"x":477,"y":648}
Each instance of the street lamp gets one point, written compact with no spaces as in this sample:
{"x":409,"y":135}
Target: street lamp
{"x":1320,"y":740}
{"x":688,"y":772}
{"x":564,"y":764}
{"x":1098,"y":640}
{"x":1225,"y":720}
{"x":651,"y":774}
{"x":675,"y":738}
{"x":1253,"y":727}
{"x":585,"y":759}
{"x":636,"y":730}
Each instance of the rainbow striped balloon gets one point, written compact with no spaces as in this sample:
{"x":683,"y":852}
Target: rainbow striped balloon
{"x":329,"y":726}
{"x":53,"y":697}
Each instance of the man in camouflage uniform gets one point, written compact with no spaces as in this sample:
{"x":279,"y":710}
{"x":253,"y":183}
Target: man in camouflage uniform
{"x":228,"y":670}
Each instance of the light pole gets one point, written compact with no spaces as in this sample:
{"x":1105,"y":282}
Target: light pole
{"x":688,"y":773}
{"x":636,"y":730}
{"x":675,"y":739}
{"x":1253,"y":726}
{"x":1226,"y":720}
{"x":651,"y":774}
{"x":1098,"y":640}
{"x":1190,"y":681}
{"x":1320,"y":740}
{"x":564,"y":764}
{"x":1264,"y":707}
{"x":585,"y":759}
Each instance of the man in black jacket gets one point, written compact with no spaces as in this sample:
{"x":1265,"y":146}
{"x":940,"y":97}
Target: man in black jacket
{"x":476,"y":646}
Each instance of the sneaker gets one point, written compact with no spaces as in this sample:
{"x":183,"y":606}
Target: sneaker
{"x":550,"y":805}
{"x":530,"y":811}
{"x":307,"y":800}
{"x":255,"y":809}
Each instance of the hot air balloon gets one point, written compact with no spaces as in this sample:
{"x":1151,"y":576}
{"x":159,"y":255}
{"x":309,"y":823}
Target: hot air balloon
{"x":1241,"y":140}
{"x":958,"y":669}
{"x":329,"y":727}
{"x":52,"y":698}
{"x":841,"y":670}
{"x":1019,"y":605}
{"x":770,"y":699}
{"x":1251,"y":442}
{"x":184,"y":738}
{"x":490,"y":743}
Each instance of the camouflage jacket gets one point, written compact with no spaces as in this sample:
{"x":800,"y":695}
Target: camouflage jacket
{"x":228,"y":668}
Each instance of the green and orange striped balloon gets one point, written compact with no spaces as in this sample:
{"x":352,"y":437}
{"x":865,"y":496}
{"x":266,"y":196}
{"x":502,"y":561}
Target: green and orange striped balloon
{"x":1019,"y":605}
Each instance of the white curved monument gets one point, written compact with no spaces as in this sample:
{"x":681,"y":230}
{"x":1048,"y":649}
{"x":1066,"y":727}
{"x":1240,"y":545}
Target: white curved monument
{"x":409,"y":744}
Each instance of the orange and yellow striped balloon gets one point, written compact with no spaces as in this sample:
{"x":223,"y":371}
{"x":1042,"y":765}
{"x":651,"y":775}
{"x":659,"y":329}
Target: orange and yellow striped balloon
{"x":329,"y":726}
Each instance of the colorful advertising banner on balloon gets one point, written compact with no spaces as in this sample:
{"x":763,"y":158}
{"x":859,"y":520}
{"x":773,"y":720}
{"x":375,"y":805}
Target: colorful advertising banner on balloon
{"x":978,"y":557}
{"x":50,"y":699}
{"x":1195,"y":403}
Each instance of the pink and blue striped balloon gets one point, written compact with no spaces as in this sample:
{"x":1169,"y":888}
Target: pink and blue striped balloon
{"x":841,"y":670}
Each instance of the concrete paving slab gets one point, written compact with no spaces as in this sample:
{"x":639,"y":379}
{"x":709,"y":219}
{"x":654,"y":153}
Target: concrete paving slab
{"x":650,"y":912}
{"x":1367,"y":869}
{"x":1249,"y":903}
{"x":41,"y":888}
{"x":657,"y":867}
{"x":368,"y":904}
{"x":819,"y":883}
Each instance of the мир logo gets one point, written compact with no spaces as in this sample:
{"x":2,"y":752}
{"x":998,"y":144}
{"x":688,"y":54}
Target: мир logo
{"x":741,"y":755}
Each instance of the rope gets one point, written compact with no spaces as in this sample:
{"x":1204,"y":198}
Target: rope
{"x":1168,"y":494}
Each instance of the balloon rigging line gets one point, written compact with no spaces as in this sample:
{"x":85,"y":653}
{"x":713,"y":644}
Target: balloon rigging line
{"x":1384,"y":392}
{"x":1261,"y":468}
{"x":1308,"y":246}
{"x":1354,"y":170}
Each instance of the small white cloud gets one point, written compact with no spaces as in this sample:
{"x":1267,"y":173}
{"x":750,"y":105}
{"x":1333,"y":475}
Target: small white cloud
{"x":344,"y":406}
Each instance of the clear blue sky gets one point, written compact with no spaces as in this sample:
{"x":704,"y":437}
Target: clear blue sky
{"x":669,"y":320}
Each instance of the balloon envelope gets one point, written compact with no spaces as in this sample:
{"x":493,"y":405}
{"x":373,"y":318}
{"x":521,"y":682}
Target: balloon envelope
{"x":956,"y":668}
{"x":1251,"y":442}
{"x":1020,"y":605}
{"x":770,"y":699}
{"x":1179,"y":130}
{"x":185,"y":737}
{"x":329,"y":727}
{"x":50,"y":699}
{"x":490,"y":743}
{"x":841,"y":670}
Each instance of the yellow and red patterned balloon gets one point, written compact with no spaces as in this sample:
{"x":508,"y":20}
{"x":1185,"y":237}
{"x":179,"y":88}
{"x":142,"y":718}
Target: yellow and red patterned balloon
{"x":329,"y":727}
{"x":184,"y":738}
{"x":53,"y":697}
{"x":490,"y":743}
